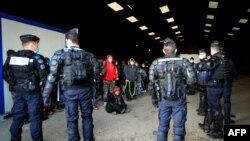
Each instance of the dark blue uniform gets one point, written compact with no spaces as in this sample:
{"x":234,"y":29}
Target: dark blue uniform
{"x":168,"y":77}
{"x":77,"y":92}
{"x":215,"y":89}
{"x":28,"y":74}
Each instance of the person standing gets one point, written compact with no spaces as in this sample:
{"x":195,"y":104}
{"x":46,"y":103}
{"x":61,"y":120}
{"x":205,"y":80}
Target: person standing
{"x":27,"y":76}
{"x":167,"y":87}
{"x":77,"y":71}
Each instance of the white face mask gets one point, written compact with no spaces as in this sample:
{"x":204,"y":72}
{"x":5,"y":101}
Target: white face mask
{"x":132,"y":63}
{"x":110,"y":59}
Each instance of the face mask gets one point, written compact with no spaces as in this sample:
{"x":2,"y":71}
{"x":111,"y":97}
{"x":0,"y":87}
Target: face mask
{"x":110,"y":60}
{"x":36,"y":51}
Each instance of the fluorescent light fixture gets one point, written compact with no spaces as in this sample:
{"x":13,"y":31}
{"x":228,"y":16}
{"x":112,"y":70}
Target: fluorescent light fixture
{"x":132,"y":19}
{"x":180,"y":36}
{"x":208,"y":25}
{"x":248,"y":10}
{"x":235,"y":28}
{"x":149,"y":50}
{"x":181,"y":40}
{"x":213,"y":4}
{"x":164,"y":9}
{"x":207,"y":30}
{"x":143,"y":27}
{"x":170,"y":20}
{"x":151,"y":33}
{"x":161,"y":41}
{"x":115,"y":6}
{"x":178,"y":32}
{"x":174,"y":27}
{"x":210,"y":17}
{"x":243,"y":20}
{"x":129,"y":7}
{"x":230,"y":34}
{"x":157,"y":38}
{"x":205,"y":35}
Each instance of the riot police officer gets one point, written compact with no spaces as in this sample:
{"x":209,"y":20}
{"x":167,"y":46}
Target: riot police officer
{"x":167,"y":83}
{"x":215,"y":87}
{"x":28,"y":74}
{"x":77,"y":71}
{"x":203,"y":76}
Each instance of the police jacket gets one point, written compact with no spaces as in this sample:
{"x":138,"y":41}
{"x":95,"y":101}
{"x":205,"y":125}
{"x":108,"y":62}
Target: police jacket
{"x":168,"y":75}
{"x":60,"y":69}
{"x":203,"y":75}
{"x":220,"y":69}
{"x":25,"y":71}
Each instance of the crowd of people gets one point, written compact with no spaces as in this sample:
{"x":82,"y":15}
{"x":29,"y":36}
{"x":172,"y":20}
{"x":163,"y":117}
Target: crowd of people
{"x":76,"y":80}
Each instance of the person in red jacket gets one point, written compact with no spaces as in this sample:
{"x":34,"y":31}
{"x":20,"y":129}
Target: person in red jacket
{"x":110,"y":75}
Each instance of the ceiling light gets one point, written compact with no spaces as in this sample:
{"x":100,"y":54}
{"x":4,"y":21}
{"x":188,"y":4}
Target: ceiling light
{"x":161,"y":41}
{"x":164,"y":9}
{"x":143,"y":27}
{"x":151,"y":33}
{"x":210,"y":16}
{"x":132,"y":19}
{"x":205,"y":35}
{"x":208,"y":25}
{"x":207,"y":30}
{"x":213,"y":4}
{"x":157,"y":38}
{"x":115,"y":6}
{"x":243,"y":20}
{"x":129,"y":7}
{"x":149,"y":50}
{"x":181,"y":40}
{"x":235,"y":28}
{"x":248,"y":10}
{"x":170,"y":20}
{"x":178,"y":32}
{"x":174,"y":27}
{"x":230,"y":34}
{"x":180,"y":36}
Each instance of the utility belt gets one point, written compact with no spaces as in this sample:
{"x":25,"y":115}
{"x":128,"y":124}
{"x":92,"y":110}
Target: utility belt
{"x":26,"y":87}
{"x":75,"y":85}
{"x":216,"y":83}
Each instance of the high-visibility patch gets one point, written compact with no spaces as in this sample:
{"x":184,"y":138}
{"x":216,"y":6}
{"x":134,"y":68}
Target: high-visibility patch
{"x":20,"y":61}
{"x":169,"y":59}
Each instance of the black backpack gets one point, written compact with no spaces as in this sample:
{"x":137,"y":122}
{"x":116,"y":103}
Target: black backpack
{"x":171,"y":81}
{"x":75,"y":67}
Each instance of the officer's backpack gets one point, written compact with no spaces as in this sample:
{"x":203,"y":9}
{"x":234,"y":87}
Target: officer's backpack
{"x":171,"y":81}
{"x":75,"y":67}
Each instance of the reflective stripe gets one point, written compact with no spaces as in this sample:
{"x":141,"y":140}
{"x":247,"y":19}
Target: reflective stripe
{"x":170,"y":59}
{"x":20,"y":61}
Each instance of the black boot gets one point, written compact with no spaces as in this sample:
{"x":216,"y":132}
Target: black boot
{"x":227,"y":118}
{"x":217,"y":132}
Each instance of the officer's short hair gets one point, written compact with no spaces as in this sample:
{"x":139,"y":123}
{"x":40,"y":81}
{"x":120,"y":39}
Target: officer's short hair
{"x":216,"y":44}
{"x":169,"y":45}
{"x":202,"y":51}
{"x":73,"y":35}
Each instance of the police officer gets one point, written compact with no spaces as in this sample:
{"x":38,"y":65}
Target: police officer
{"x":215,"y":88}
{"x":166,"y":76}
{"x":77,"y":71}
{"x":28,"y":74}
{"x":203,"y":76}
{"x":228,"y":91}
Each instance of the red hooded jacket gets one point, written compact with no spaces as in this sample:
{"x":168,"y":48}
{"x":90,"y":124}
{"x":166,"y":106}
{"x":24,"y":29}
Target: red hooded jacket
{"x":111,"y":70}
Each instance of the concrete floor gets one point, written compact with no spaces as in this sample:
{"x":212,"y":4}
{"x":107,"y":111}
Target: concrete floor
{"x":141,"y":121}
